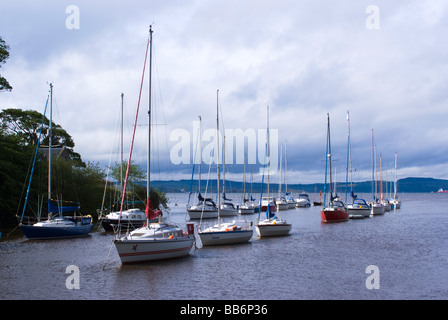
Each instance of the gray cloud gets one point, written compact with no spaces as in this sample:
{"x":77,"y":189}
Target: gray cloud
{"x":302,"y":59}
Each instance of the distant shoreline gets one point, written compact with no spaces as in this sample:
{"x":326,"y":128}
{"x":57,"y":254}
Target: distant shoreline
{"x":406,"y":185}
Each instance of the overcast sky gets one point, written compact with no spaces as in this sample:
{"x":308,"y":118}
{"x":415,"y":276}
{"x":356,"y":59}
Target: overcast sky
{"x":384,"y":61}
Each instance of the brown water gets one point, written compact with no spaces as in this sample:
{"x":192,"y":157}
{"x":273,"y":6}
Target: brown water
{"x":317,"y":261}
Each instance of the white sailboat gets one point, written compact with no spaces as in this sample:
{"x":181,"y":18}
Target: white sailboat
{"x":384,"y":201}
{"x":223,"y":233}
{"x":228,"y":209}
{"x":377,"y":207}
{"x":288,"y":197}
{"x":272,"y":225}
{"x":395,"y":200}
{"x":131,"y":218}
{"x":281,"y":202}
{"x":247,"y":207}
{"x":359,"y":208}
{"x":206,"y":207}
{"x":155,"y":241}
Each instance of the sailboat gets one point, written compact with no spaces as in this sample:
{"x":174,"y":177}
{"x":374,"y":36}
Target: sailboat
{"x":395,"y":200}
{"x":376,"y":206}
{"x":247,"y":207}
{"x":131,"y":218}
{"x":281,"y":202}
{"x":154,"y":241}
{"x":288,"y":197}
{"x":206,"y":207}
{"x":271,"y":225}
{"x":229,"y":232}
{"x":384,"y":201}
{"x":359,"y":208}
{"x":335,"y":210}
{"x":228,"y":209}
{"x":57,"y":225}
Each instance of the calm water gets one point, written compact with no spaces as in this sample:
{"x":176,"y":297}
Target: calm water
{"x":317,"y":261}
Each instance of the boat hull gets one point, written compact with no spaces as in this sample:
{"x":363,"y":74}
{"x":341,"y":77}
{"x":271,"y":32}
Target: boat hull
{"x":272,"y":208}
{"x":273,"y":230}
{"x":249,"y":210}
{"x":358,"y":213}
{"x":303,"y":204}
{"x":334,"y":215}
{"x":396,"y":203}
{"x":198,"y":214}
{"x":282,"y":206}
{"x":112,"y":224}
{"x":228,"y":210}
{"x":135,"y":251}
{"x":215,"y":238}
{"x":48,"y":233}
{"x":377,"y":210}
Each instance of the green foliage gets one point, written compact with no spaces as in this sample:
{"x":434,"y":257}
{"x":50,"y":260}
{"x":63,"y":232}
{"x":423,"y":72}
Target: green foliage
{"x":70,"y":180}
{"x":138,"y":191}
{"x":4,"y":55}
{"x":136,"y":173}
{"x":14,"y":165}
{"x":26,"y":126}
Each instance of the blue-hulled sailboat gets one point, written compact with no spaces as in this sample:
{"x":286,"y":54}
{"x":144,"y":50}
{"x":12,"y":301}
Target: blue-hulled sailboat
{"x":57,"y":225}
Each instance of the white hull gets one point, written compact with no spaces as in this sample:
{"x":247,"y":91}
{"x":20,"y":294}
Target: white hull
{"x":357,"y":213}
{"x":225,"y":237}
{"x":228,"y":212}
{"x":133,"y":251}
{"x":282,"y":206}
{"x":246,"y":210}
{"x":396,"y":203}
{"x":301,"y":203}
{"x":377,"y":209}
{"x":197,"y":214}
{"x":226,"y":233}
{"x":271,"y":228}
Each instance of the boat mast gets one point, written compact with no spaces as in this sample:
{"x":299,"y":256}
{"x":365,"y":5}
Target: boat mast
{"x":349,"y":161}
{"x":373,"y":170}
{"x":329,"y":157}
{"x":50,"y":141}
{"x":395,"y":177}
{"x":217,"y":149}
{"x":286,"y":172}
{"x":381,"y":177}
{"x":268,"y":153}
{"x":200,"y":153}
{"x":121,"y":147}
{"x":244,"y":180}
{"x":280,"y":176}
{"x":148,"y":181}
{"x":224,"y":170}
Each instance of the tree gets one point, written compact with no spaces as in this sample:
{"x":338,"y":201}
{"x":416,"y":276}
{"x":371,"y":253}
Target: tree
{"x":26,"y":126}
{"x":136,"y":175}
{"x":14,"y":165}
{"x":4,"y":55}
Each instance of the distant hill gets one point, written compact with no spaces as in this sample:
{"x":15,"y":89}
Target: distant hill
{"x":404,"y":185}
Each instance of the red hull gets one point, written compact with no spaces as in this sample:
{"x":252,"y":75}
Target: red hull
{"x":272,"y":208}
{"x":334,"y":215}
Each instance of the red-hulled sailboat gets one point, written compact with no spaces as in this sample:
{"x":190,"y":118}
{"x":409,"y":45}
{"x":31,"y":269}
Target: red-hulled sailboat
{"x":335,"y":210}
